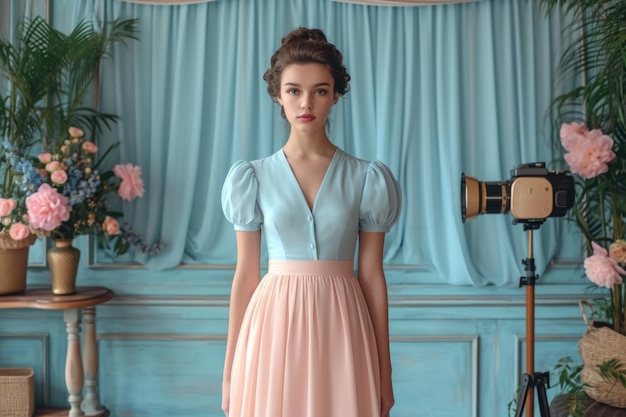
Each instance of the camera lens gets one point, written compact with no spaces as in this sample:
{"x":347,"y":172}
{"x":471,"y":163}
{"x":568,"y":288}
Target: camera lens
{"x":478,"y":197}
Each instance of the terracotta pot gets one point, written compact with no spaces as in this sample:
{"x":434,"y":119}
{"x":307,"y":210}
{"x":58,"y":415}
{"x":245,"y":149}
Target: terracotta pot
{"x":63,"y":262}
{"x":14,"y":261}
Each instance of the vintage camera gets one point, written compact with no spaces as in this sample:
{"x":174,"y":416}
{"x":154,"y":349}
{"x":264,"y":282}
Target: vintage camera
{"x":532,"y":194}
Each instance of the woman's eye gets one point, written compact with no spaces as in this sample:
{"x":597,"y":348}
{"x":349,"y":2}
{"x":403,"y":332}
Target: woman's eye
{"x":320,"y":92}
{"x":292,"y":91}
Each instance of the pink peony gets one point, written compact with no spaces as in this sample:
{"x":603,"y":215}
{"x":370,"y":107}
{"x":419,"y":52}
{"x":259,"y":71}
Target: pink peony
{"x":110,"y":226}
{"x":132,"y":184}
{"x":75,"y":132}
{"x":58,"y":177}
{"x":47,"y":209}
{"x":7,"y":205}
{"x":571,"y":134}
{"x":589,"y":153}
{"x":601,"y":269}
{"x":19,"y":231}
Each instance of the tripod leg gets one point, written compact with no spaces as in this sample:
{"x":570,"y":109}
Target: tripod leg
{"x":523,"y":392}
{"x":544,"y":407}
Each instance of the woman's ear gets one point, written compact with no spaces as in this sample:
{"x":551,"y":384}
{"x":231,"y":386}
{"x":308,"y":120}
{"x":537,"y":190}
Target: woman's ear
{"x":336,"y":98}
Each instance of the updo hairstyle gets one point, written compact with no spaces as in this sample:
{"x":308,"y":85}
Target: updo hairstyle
{"x":302,"y":46}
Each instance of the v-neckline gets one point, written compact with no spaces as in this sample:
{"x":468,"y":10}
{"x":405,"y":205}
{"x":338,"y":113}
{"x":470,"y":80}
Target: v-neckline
{"x":311,"y":208}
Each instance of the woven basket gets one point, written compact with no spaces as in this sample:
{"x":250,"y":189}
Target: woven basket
{"x":17,"y":392}
{"x":14,"y":261}
{"x":599,"y":344}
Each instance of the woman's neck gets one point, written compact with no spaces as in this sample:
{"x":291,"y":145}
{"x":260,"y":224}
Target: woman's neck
{"x":299,"y":144}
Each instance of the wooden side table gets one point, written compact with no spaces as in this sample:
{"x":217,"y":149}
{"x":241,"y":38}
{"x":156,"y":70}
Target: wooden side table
{"x":81,"y":370}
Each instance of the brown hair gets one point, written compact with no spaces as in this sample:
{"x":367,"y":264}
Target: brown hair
{"x":302,"y":46}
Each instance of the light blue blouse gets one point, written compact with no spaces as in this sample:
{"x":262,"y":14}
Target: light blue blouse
{"x":355,"y":195}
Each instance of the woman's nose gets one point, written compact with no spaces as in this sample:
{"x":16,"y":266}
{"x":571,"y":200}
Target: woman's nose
{"x":306,"y":102}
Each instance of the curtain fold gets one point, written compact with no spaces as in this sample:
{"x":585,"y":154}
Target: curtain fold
{"x":166,"y":2}
{"x":435,"y":91}
{"x":401,"y":2}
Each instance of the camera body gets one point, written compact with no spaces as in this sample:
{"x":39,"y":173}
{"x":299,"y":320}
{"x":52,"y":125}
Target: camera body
{"x":533,"y":193}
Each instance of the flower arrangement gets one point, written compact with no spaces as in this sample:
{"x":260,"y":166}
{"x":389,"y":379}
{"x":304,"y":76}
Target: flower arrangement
{"x":66,"y":195}
{"x":599,"y":210}
{"x":49,"y":74}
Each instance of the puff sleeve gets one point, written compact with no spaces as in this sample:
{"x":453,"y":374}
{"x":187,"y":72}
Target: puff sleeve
{"x":381,"y":199}
{"x":239,"y":197}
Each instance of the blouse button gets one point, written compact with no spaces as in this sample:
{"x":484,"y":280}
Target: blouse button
{"x":309,"y":218}
{"x":312,"y":245}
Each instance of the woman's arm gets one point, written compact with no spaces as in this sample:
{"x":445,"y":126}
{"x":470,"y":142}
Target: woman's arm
{"x":246,"y":278}
{"x":372,"y":280}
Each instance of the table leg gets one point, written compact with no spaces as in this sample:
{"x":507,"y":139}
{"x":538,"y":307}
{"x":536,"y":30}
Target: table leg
{"x":91,"y":401}
{"x":73,"y":362}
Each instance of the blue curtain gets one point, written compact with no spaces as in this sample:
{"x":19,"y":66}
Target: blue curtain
{"x":435,"y":91}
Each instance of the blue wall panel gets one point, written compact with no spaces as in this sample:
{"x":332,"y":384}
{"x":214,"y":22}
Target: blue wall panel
{"x":455,"y":350}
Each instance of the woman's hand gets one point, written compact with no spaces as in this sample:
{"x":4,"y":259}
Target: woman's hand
{"x":225,"y":394}
{"x":386,"y":398}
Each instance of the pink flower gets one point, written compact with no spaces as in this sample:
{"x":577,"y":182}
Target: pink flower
{"x":110,"y":226}
{"x":90,"y":147}
{"x":589,"y":151}
{"x":47,"y":209}
{"x":132,"y":184}
{"x":571,"y":134}
{"x":19,"y":231}
{"x":75,"y":132}
{"x":58,"y":177}
{"x":45,"y":157}
{"x":601,"y":269}
{"x":53,"y":166}
{"x":7,"y":205}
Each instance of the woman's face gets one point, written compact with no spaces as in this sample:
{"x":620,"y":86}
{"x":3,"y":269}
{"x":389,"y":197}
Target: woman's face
{"x":307,"y":94}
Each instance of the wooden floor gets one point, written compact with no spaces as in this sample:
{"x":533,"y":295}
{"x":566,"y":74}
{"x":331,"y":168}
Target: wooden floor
{"x":64,"y":412}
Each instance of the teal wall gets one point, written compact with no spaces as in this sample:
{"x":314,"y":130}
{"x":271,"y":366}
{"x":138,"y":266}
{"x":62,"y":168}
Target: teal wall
{"x":456,"y":351}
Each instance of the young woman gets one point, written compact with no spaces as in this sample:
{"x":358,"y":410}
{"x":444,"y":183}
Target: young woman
{"x":310,"y":339}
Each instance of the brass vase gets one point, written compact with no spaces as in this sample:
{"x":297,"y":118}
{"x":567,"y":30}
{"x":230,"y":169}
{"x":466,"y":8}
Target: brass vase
{"x":63,"y":262}
{"x":14,"y":261}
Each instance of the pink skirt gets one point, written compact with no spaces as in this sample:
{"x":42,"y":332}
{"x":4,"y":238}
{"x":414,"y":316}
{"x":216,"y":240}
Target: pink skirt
{"x":307,"y":346}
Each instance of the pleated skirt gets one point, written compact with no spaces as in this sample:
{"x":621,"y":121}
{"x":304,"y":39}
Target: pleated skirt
{"x":307,"y":346}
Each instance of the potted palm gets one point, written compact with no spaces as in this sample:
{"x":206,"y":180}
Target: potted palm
{"x":46,"y":77}
{"x":591,"y":120}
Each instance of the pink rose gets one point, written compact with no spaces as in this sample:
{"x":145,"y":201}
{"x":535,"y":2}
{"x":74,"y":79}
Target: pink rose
{"x":43,"y":173}
{"x":53,"y":166}
{"x":7,"y":205}
{"x":19,"y":231}
{"x":110,"y":226}
{"x":617,"y":251}
{"x":45,"y":157}
{"x":75,"y":132}
{"x":90,"y":147}
{"x":601,"y":269}
{"x":132,"y":184}
{"x":47,"y":209}
{"x":58,"y":177}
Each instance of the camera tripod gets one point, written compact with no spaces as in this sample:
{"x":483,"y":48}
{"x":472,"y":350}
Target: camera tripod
{"x":531,"y":379}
